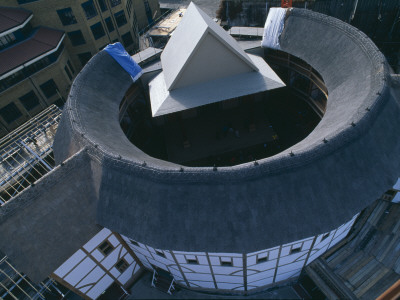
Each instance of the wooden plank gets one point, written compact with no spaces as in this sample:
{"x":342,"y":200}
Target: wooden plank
{"x":370,"y":281}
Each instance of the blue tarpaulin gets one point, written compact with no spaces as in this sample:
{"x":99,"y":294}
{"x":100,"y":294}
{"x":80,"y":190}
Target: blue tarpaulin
{"x":118,"y":52}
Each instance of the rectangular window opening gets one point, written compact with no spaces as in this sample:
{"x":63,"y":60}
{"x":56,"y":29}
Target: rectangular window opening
{"x":121,"y":265}
{"x":226,"y":261}
{"x":66,"y":16}
{"x":261,"y":258}
{"x":29,"y":100}
{"x":191,"y":259}
{"x":89,"y":9}
{"x":106,"y":248}
{"x":120,"y":18}
{"x":97,"y":30}
{"x":109,"y":24}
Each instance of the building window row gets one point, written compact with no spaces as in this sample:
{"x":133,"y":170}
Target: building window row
{"x":84,"y":57}
{"x":129,"y":8}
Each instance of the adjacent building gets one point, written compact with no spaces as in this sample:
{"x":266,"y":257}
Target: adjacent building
{"x":44,"y":44}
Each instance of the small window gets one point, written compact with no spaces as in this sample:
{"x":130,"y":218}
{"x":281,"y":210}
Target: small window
{"x":103,"y":5}
{"x":295,"y":250}
{"x":160,"y":253}
{"x":261,"y":258}
{"x":84,"y":57}
{"x":68,"y":73}
{"x":325,"y":237}
{"x":70,"y":66}
{"x":115,"y":2}
{"x":49,"y":88}
{"x":30,"y":100}
{"x":89,"y":9}
{"x":127,"y":39}
{"x":120,"y":18}
{"x":191,"y":259}
{"x":97,"y":30}
{"x":110,"y":25}
{"x":76,"y":38}
{"x":106,"y":248}
{"x":226,"y":261}
{"x":121,"y":265}
{"x":10,"y":113}
{"x":66,"y":16}
{"x":134,"y":242}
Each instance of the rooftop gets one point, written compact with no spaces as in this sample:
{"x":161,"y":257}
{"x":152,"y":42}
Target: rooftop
{"x":43,"y":42}
{"x":12,"y":18}
{"x":166,"y":26}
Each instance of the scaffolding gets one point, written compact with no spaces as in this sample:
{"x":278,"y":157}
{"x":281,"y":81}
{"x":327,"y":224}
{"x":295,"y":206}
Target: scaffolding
{"x":15,"y":285}
{"x":26,"y":154}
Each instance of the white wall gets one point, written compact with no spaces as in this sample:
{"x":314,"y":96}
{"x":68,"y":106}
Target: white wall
{"x":90,"y":272}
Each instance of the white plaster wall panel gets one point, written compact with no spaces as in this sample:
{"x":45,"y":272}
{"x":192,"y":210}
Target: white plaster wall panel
{"x":114,"y":272}
{"x":225,"y":270}
{"x":195,"y":268}
{"x":285,"y":276}
{"x":293,"y":257}
{"x":261,"y":282}
{"x":157,"y":264}
{"x":229,"y":286}
{"x":291,"y":267}
{"x":202,"y":284}
{"x":97,"y":239}
{"x":92,"y":277}
{"x":229,"y":279}
{"x":100,"y":287}
{"x":316,"y":254}
{"x":70,"y":263}
{"x":112,"y":258}
{"x":80,"y":271}
{"x":143,"y":251}
{"x":113,"y":240}
{"x":175,"y":272}
{"x":261,"y":275}
{"x":85,"y":289}
{"x":129,"y":272}
{"x":143,"y":260}
{"x":129,"y":259}
{"x":263,"y":266}
{"x":97,"y":255}
{"x":198,"y":277}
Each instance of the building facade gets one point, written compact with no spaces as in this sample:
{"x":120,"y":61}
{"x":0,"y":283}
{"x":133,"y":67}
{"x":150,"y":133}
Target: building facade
{"x":36,"y":69}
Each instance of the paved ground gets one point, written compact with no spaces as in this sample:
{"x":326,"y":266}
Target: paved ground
{"x":209,"y":6}
{"x":143,"y":290}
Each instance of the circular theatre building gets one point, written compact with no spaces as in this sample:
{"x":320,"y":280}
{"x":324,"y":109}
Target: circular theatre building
{"x":229,"y":165}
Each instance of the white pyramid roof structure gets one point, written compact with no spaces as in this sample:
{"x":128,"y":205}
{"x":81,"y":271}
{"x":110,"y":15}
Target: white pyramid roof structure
{"x":203,"y":64}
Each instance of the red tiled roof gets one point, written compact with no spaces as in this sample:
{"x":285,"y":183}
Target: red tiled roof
{"x":11,"y":17}
{"x":44,"y":40}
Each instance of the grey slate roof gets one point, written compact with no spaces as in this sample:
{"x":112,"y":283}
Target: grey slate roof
{"x":235,"y":209}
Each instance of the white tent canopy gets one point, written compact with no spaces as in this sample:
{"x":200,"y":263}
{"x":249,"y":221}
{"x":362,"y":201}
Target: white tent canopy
{"x":203,"y":64}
